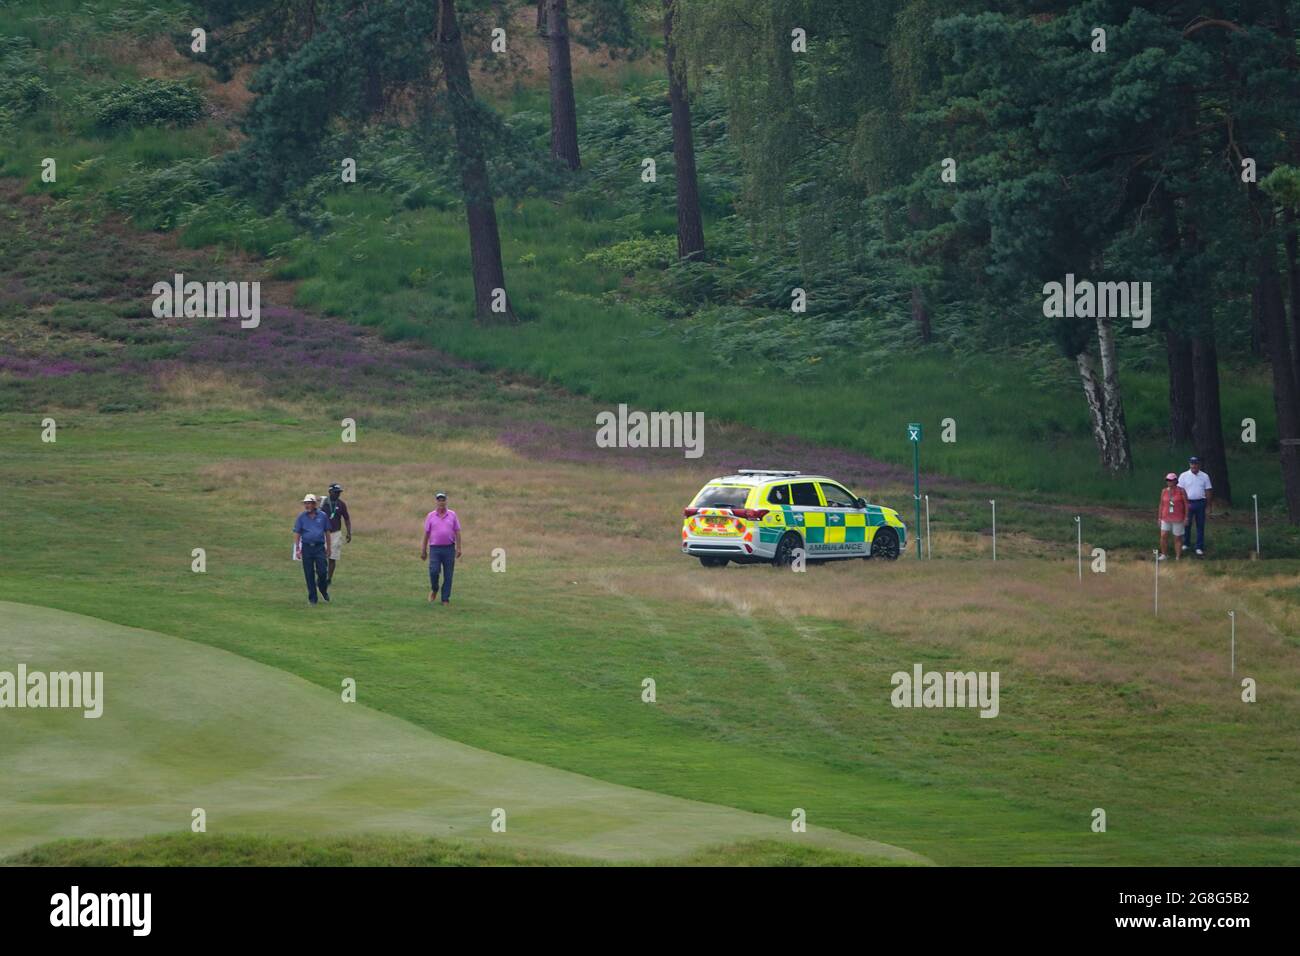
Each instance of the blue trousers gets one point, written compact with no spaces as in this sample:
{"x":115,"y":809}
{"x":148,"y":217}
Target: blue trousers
{"x":442,"y":557}
{"x":316,"y":570}
{"x":1195,"y":512}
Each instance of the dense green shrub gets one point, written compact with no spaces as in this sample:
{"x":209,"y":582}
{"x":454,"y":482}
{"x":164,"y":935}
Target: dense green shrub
{"x":150,"y":102}
{"x":22,"y":90}
{"x":634,"y":255}
{"x":22,"y":94}
{"x":157,"y":199}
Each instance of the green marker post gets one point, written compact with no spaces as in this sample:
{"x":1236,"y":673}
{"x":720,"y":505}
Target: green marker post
{"x":914,"y":436}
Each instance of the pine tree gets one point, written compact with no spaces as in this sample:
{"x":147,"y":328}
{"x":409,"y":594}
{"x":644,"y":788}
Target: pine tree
{"x":603,"y":24}
{"x":360,"y":56}
{"x":480,"y":210}
{"x":690,"y":223}
{"x":553,"y":27}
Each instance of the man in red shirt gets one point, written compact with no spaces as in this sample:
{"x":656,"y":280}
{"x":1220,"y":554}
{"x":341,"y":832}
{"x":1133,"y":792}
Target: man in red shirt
{"x":1172,"y":515}
{"x":441,"y":545}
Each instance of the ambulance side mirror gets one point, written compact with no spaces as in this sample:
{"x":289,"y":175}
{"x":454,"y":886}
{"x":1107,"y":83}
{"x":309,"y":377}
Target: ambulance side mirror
{"x":860,"y":503}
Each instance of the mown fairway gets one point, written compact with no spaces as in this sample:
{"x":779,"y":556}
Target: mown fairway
{"x":773,"y":689}
{"x":260,"y":751}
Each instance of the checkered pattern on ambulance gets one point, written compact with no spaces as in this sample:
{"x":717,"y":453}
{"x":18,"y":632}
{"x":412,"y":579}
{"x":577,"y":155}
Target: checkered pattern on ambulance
{"x":766,"y":516}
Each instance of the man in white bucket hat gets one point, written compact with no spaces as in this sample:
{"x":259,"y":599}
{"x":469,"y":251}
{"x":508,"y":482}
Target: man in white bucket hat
{"x":311,"y":536}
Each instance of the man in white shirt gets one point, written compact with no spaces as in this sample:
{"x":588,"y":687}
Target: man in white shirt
{"x":1196,"y":484}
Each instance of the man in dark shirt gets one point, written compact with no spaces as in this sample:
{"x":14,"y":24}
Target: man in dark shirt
{"x":337,"y":511}
{"x":311,"y":533}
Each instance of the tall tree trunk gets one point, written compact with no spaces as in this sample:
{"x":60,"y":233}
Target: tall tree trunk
{"x":1119,"y":456}
{"x":1209,"y":415}
{"x":920,"y":314}
{"x":1293,"y":284}
{"x":1258,"y":340}
{"x":480,"y":210}
{"x":1178,"y":349}
{"x":1271,"y":306}
{"x":374,"y":96}
{"x":1284,"y":26}
{"x":690,"y":225}
{"x":553,"y":25}
{"x":1286,"y":371}
{"x":1182,"y":388}
{"x":1272,"y":313}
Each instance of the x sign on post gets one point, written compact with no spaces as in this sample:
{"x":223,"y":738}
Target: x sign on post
{"x":914,"y":436}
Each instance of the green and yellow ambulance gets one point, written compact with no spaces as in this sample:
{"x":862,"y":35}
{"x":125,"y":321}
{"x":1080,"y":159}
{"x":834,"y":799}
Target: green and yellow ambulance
{"x":757,"y":516}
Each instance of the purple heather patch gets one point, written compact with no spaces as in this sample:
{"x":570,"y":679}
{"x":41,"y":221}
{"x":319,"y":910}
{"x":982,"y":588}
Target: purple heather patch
{"x":738,"y":449}
{"x":41,"y":367}
{"x":290,"y":345}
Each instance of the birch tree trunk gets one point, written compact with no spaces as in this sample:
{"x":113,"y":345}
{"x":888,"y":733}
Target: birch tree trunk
{"x":1118,"y":457}
{"x":1087,"y":365}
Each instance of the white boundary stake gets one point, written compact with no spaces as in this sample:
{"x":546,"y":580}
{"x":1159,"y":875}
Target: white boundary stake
{"x":1232,"y":615}
{"x":929,"y":552}
{"x":1078,"y":521}
{"x":1157,"y":563}
{"x":995,"y":528}
{"x":1256,"y":497}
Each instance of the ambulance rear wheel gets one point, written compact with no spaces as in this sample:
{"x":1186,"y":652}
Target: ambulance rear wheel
{"x":712,"y":562}
{"x":785,"y":548}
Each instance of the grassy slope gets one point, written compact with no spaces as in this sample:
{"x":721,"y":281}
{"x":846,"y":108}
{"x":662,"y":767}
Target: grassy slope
{"x":1010,"y":433}
{"x":184,"y":725}
{"x":772,"y":688}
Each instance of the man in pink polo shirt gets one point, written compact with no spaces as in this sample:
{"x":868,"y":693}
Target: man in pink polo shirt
{"x":441,"y":546}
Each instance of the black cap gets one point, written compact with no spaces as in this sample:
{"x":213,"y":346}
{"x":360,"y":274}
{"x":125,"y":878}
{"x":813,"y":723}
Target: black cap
{"x":336,"y":487}
{"x":441,"y":494}
{"x":1193,"y":460}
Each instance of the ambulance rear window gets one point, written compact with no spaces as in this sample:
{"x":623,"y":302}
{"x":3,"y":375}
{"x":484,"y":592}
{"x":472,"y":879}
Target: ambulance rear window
{"x":805,"y":493}
{"x":721,"y":496}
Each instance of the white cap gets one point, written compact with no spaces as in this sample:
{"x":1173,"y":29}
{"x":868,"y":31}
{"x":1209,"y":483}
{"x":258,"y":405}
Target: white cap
{"x":307,"y":498}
